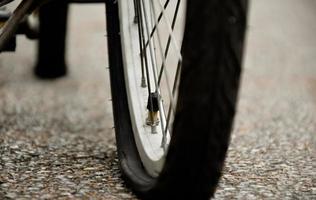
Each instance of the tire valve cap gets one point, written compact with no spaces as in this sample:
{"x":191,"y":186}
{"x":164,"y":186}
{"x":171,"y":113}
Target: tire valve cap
{"x":153,"y":111}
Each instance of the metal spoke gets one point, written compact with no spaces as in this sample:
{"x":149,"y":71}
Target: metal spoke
{"x":171,"y":32}
{"x":138,"y":20}
{"x":164,"y":62}
{"x":169,"y":40}
{"x":174,"y":92}
{"x":153,"y":21}
{"x":153,"y":67}
{"x":155,"y":26}
{"x":163,"y":55}
{"x":141,"y":43}
{"x":148,"y":17}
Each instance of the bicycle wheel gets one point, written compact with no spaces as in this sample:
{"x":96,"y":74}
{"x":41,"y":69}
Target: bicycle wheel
{"x":174,"y":69}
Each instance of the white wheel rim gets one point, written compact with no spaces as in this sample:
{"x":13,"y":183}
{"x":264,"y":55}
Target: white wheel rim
{"x":148,"y":144}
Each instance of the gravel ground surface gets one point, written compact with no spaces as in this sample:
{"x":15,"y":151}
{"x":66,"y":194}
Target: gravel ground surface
{"x":57,"y":137}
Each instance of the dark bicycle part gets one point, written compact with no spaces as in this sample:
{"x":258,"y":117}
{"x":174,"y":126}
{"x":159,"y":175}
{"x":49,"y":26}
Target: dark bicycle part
{"x":152,"y":103}
{"x":4,"y":2}
{"x":10,"y":46}
{"x":51,"y":62}
{"x":52,"y":38}
{"x":51,"y":33}
{"x":30,"y":31}
{"x":25,"y":7}
{"x":4,"y":16}
{"x":11,"y":26}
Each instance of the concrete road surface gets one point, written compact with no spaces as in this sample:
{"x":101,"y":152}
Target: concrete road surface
{"x":57,"y":140}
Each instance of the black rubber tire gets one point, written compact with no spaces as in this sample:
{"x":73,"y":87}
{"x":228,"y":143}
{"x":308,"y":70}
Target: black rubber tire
{"x":212,"y":53}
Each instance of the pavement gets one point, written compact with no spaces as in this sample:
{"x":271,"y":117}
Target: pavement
{"x":57,"y":137}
